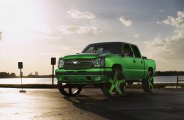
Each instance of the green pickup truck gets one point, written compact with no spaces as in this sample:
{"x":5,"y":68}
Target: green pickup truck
{"x":108,"y":65}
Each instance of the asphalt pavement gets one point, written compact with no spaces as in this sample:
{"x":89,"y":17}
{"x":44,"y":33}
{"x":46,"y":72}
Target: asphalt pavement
{"x":49,"y":104}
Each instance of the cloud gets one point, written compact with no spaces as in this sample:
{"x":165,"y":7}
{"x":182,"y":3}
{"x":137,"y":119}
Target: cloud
{"x":173,"y":45}
{"x":167,"y":48}
{"x":81,"y":15}
{"x":125,"y":22}
{"x":176,"y":22}
{"x":168,"y":52}
{"x":80,"y":29}
{"x":161,"y":11}
{"x":136,"y":35}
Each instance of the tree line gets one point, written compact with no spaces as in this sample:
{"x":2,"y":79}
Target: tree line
{"x":13,"y":75}
{"x":169,"y":73}
{"x":7,"y":75}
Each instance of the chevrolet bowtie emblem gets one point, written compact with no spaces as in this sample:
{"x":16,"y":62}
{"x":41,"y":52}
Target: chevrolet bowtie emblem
{"x":75,"y":62}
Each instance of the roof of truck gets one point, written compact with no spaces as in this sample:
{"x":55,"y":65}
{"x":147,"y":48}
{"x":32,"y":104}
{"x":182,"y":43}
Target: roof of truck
{"x":112,"y":42}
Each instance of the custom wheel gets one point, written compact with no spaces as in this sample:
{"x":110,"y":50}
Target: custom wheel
{"x":116,"y":85}
{"x":147,"y":84}
{"x":68,"y":89}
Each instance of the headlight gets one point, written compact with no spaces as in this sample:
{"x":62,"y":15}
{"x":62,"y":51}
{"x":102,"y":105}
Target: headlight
{"x":60,"y":63}
{"x":99,"y":62}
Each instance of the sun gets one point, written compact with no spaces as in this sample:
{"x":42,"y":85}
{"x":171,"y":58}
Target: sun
{"x":18,"y":20}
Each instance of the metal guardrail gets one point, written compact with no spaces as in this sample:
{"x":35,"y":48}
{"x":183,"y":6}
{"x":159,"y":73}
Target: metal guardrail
{"x":179,"y":78}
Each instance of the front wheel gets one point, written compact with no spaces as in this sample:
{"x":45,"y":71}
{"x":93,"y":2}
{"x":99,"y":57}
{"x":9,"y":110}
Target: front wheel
{"x":147,"y":84}
{"x":68,"y":89}
{"x":116,"y":85}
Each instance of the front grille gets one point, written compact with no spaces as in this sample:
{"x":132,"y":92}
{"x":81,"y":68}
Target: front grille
{"x":78,"y":64}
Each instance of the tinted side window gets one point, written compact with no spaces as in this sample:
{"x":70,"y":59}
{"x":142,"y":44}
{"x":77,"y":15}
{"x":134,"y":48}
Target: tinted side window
{"x":136,"y":51}
{"x":114,"y":48}
{"x":127,"y":51}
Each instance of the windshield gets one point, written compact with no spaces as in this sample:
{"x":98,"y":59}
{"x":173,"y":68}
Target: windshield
{"x":114,"y":48}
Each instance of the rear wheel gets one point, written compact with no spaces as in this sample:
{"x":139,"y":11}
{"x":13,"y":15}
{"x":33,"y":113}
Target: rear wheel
{"x":116,"y":85}
{"x":68,"y":89}
{"x":147,"y":84}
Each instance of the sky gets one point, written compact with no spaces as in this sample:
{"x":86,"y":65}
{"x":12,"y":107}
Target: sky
{"x":33,"y":31}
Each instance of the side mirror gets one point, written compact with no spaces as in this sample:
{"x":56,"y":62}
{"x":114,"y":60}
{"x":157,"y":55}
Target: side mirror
{"x":144,"y":57}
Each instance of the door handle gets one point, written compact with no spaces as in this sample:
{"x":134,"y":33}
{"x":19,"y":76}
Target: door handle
{"x":141,"y":62}
{"x":134,"y":61}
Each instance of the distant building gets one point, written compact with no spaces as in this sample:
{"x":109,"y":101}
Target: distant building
{"x":30,"y":74}
{"x":36,"y":73}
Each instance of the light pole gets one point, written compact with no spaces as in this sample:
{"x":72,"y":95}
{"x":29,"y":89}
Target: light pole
{"x":20,"y":66}
{"x":53,"y":62}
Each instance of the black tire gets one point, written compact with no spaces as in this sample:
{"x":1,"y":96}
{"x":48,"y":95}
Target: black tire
{"x":147,"y":84}
{"x":130,"y":82}
{"x":107,"y":86}
{"x":68,"y":89}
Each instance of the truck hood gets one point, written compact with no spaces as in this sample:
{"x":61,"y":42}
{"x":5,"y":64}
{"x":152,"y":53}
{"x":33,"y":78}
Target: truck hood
{"x":86,"y":55}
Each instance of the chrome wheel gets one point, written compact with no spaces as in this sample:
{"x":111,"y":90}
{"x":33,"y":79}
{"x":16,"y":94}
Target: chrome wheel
{"x":68,"y":89}
{"x":147,"y":83}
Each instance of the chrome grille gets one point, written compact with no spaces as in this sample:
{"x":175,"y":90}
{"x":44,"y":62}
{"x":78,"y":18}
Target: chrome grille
{"x":73,"y":64}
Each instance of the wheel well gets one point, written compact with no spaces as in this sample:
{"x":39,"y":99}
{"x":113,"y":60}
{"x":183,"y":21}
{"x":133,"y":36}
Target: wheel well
{"x":117,"y":66}
{"x":150,"y":69}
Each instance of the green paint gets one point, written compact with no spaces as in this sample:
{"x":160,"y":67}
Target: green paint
{"x":115,"y":85}
{"x":95,"y":68}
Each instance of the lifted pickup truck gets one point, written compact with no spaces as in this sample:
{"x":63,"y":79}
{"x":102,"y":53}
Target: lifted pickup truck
{"x":108,"y":65}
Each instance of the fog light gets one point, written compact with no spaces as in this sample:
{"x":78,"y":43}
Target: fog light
{"x":98,"y":78}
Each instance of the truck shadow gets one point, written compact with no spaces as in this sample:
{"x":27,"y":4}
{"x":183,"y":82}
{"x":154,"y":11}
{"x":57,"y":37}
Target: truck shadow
{"x":117,"y":108}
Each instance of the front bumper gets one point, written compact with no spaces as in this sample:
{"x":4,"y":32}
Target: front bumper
{"x":87,"y":76}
